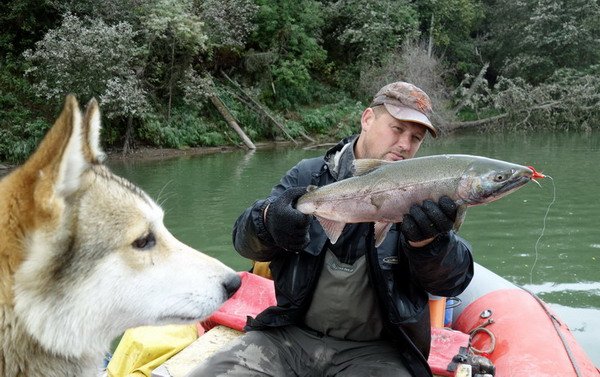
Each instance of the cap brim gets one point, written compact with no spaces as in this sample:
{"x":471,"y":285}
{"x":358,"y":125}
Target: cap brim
{"x":410,"y":115}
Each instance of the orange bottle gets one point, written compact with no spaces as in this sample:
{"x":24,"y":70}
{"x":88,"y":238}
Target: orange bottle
{"x":437,"y":310}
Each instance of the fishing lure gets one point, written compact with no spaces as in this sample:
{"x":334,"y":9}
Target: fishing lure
{"x":536,"y":174}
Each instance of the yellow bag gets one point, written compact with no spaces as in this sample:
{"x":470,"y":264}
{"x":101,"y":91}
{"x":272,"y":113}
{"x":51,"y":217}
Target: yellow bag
{"x":262,"y":269}
{"x":143,"y":349}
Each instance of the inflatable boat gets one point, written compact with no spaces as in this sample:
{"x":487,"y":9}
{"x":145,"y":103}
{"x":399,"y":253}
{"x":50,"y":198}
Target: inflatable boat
{"x":517,"y":331}
{"x":494,"y":328}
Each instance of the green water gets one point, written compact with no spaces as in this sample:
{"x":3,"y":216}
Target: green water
{"x":202,"y":196}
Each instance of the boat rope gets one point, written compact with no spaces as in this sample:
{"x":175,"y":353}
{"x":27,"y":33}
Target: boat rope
{"x":477,"y":330}
{"x":557,"y":324}
{"x":535,"y":248}
{"x":492,"y":346}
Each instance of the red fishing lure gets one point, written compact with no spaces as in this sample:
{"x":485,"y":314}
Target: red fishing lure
{"x":536,"y":174}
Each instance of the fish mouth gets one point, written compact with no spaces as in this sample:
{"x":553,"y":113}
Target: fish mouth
{"x":511,"y":185}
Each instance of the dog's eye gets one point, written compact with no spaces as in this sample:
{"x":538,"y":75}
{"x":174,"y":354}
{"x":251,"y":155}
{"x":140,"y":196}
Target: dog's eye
{"x":145,"y":242}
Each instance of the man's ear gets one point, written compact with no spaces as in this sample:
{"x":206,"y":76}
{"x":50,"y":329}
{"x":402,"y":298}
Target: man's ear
{"x":367,"y":119}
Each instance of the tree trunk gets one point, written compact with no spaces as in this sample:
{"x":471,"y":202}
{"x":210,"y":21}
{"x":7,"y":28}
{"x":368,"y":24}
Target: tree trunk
{"x":261,"y":110}
{"x":231,"y":120}
{"x":474,"y":123}
{"x":474,"y":86}
{"x":481,"y":122}
{"x":128,"y":133}
{"x":171,"y":80}
{"x":430,"y":45}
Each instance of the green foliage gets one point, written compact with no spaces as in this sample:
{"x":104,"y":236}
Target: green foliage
{"x":365,"y":30}
{"x":173,"y":22}
{"x":16,"y":143}
{"x":360,"y":34}
{"x":184,"y":129}
{"x":196,"y":88}
{"x":454,"y":21}
{"x":335,"y":120}
{"x":312,"y":64}
{"x":229,"y":21}
{"x":290,"y":33}
{"x":292,"y":80}
{"x":113,"y":11}
{"x":532,"y":39}
{"x":22,"y":23}
{"x":91,"y":59}
{"x":567,"y":101}
{"x":20,"y":127}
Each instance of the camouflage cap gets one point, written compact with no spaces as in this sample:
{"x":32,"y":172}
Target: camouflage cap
{"x":406,"y":102}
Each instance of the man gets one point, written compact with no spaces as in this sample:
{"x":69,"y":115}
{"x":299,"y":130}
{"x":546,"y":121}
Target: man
{"x":348,"y":309}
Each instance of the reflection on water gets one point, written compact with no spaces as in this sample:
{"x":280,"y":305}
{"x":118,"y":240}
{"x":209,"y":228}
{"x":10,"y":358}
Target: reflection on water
{"x":590,"y":288}
{"x":203,"y":196}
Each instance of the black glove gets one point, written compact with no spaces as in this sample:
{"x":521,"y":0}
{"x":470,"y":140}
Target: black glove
{"x":287,"y":226}
{"x":429,"y":219}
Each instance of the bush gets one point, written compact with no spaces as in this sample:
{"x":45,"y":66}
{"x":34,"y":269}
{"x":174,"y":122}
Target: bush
{"x":21,"y":128}
{"x":17,"y":143}
{"x":184,"y":129}
{"x":569,"y":100}
{"x":336,"y":120}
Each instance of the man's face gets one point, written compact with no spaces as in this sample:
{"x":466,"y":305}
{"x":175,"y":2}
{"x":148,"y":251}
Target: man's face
{"x":387,"y":138}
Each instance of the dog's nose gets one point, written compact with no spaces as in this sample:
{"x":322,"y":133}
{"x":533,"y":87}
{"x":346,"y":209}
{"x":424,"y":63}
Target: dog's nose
{"x":232,"y":284}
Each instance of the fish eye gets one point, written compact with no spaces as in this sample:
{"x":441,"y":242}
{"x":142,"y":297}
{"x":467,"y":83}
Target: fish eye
{"x":145,"y":242}
{"x":502,"y":176}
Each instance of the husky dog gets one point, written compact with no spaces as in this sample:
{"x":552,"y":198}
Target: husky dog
{"x":84,"y":255}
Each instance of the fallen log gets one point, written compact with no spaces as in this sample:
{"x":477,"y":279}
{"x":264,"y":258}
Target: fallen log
{"x":262,"y":111}
{"x":481,"y":122}
{"x":231,"y":120}
{"x":474,"y":85}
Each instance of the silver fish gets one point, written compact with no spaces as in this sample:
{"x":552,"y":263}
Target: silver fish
{"x":383,"y":191}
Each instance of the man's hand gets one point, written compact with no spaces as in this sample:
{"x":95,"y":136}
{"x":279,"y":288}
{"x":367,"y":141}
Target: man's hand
{"x":426,"y":221}
{"x":287,"y":226}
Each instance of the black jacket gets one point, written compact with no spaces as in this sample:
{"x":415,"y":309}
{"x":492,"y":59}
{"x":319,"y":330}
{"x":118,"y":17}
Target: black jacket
{"x":401,"y":275}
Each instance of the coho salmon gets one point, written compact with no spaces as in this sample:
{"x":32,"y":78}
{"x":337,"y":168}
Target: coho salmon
{"x":383,"y":191}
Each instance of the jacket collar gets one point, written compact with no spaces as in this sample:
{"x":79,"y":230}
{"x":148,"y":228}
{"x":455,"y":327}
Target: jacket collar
{"x":339,"y":159}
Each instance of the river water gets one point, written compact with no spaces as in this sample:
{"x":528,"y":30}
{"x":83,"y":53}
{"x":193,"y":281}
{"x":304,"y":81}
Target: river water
{"x":545,"y":238}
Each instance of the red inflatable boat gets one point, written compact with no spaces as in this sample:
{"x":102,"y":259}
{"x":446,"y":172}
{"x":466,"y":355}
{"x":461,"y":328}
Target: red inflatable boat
{"x":517,"y":331}
{"x":496,"y":319}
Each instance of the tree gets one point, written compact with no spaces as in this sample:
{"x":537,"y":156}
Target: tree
{"x":359,"y":34}
{"x":175,"y":24}
{"x":450,"y":26}
{"x":413,"y":64}
{"x":230,"y":22}
{"x":112,"y":11}
{"x":534,"y":38}
{"x":286,"y":50}
{"x":23,"y":22}
{"x":91,"y":59}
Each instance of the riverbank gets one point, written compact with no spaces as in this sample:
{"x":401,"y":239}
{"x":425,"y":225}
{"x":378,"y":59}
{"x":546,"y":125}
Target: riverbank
{"x":150,"y":154}
{"x":162,"y":153}
{"x":145,"y":153}
{"x":165,"y":153}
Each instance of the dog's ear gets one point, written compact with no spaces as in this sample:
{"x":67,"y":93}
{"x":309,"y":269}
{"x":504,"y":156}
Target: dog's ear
{"x":59,"y":160}
{"x":72,"y":161}
{"x":91,"y":134}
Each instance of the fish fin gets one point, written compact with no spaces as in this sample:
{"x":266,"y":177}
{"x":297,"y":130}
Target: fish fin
{"x":332,"y":228}
{"x":461,"y":213}
{"x":381,"y":230}
{"x":366,"y":165}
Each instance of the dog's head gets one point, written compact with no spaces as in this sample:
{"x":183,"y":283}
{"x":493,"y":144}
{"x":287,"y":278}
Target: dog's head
{"x":88,"y":254}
